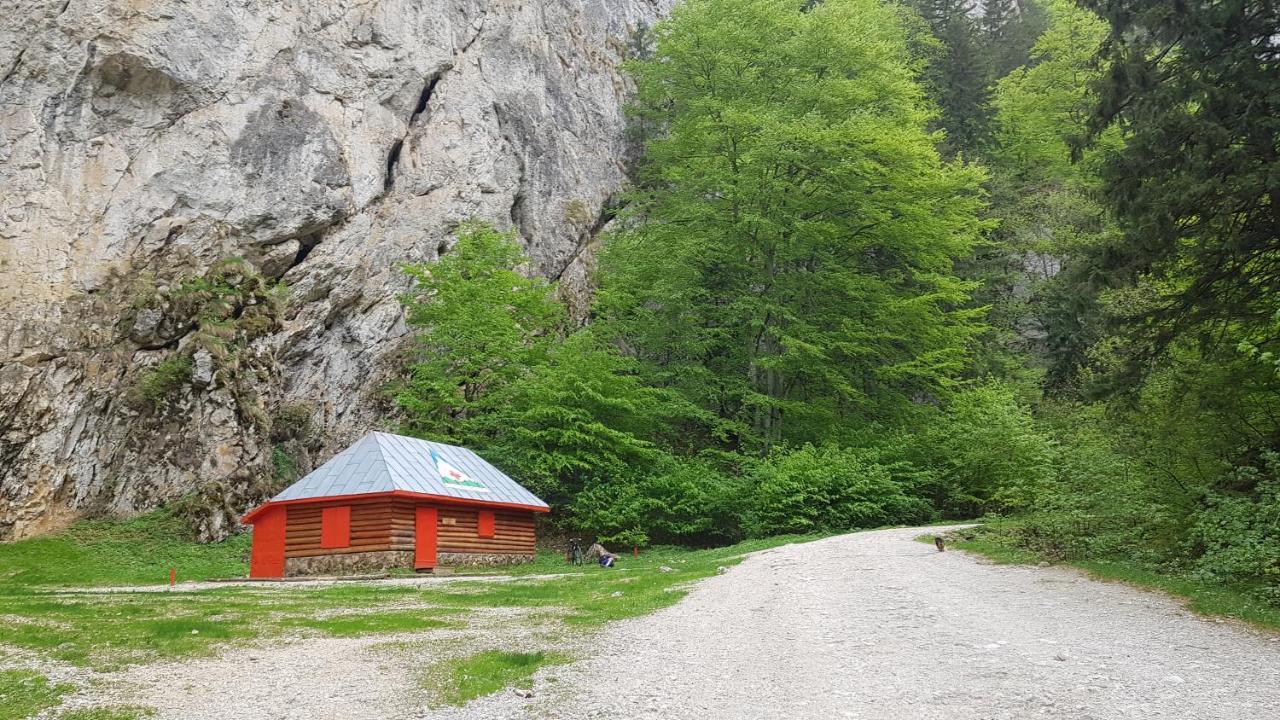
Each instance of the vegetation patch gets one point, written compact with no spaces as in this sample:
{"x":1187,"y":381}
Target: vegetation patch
{"x":24,"y":693}
{"x":160,"y":381}
{"x":139,"y":551}
{"x":457,"y":682}
{"x":112,"y":712}
{"x":109,"y":630}
{"x":380,"y":622}
{"x":592,"y":596}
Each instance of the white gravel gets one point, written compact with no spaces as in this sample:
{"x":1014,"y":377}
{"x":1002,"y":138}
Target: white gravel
{"x":374,"y":677}
{"x":876,"y":625}
{"x":871,"y":625}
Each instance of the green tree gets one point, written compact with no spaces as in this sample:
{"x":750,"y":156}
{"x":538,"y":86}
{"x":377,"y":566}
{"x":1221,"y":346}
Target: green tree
{"x":1043,"y":280}
{"x":481,"y":326}
{"x":787,"y":263}
{"x":988,"y":451}
{"x":958,"y":77}
{"x":581,"y":418}
{"x":566,"y":414}
{"x":1195,"y":89}
{"x":1009,"y":29}
{"x":813,"y":489}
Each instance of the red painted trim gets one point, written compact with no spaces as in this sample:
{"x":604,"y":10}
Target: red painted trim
{"x":251,"y":516}
{"x":425,"y":531}
{"x":335,"y":527}
{"x":485,"y":524}
{"x":267,"y":555}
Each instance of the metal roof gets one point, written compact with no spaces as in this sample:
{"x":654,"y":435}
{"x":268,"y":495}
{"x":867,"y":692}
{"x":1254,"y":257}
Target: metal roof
{"x":381,"y":462}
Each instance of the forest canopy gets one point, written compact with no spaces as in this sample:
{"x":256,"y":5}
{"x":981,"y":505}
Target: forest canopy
{"x":883,"y":264}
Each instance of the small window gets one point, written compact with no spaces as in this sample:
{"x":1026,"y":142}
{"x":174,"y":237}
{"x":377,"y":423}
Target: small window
{"x":335,"y":527}
{"x":485,"y":524}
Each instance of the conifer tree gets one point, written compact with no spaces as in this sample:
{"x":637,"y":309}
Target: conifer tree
{"x":1195,"y":88}
{"x":959,"y":76}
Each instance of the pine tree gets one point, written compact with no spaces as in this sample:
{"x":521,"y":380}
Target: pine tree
{"x":1195,"y":89}
{"x":1009,"y":29}
{"x":959,"y":76}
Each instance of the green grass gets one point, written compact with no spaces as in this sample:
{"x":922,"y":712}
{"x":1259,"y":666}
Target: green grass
{"x":460,"y":681}
{"x":1209,"y":599}
{"x":47,"y":593}
{"x":24,"y":693}
{"x":997,"y":553}
{"x":593,"y":596}
{"x":1212,"y":599}
{"x":107,"y":631}
{"x":380,"y":622}
{"x":113,"y":712}
{"x":131,"y":552}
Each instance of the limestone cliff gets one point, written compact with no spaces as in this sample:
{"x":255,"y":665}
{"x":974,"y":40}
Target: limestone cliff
{"x":164,"y":163}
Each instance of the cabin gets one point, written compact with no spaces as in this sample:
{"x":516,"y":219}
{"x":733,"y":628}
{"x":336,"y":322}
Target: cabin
{"x":391,"y":501}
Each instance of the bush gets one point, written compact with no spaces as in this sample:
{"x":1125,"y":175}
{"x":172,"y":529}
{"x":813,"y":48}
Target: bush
{"x":1236,"y":535}
{"x":987,"y":451}
{"x":813,"y":489}
{"x":158,"y":383}
{"x":684,"y":502}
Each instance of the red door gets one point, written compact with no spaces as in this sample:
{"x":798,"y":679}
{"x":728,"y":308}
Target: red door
{"x":424,"y":545}
{"x":267,"y":558}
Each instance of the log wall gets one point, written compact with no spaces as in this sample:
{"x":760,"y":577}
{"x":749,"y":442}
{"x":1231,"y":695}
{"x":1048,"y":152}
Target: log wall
{"x":371,"y":529}
{"x":458,"y":532}
{"x":386,"y":524}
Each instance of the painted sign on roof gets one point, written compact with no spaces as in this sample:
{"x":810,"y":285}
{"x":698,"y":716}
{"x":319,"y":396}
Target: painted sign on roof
{"x":382,"y":462}
{"x":453,"y":477}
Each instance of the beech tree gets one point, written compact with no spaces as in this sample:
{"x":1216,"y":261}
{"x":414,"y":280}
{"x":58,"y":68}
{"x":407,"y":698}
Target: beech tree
{"x":787,"y":262}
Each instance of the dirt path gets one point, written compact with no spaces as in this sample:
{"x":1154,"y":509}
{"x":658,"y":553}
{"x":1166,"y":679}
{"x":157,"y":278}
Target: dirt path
{"x":874,"y":625}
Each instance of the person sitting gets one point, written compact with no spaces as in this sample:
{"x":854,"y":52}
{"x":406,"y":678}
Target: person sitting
{"x":605,"y":557}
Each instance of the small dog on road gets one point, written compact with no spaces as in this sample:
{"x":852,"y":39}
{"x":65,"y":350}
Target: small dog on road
{"x":937,"y":541}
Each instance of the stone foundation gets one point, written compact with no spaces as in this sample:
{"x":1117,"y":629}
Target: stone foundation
{"x":485,"y":559}
{"x":348,"y":563}
{"x":384,"y":560}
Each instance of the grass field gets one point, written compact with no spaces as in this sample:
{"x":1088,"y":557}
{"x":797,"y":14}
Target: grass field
{"x":132,"y":552}
{"x":51,"y":608}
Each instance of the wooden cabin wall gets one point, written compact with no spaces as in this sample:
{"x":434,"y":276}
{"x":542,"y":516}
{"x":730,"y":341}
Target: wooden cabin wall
{"x":402,"y":524}
{"x":388,"y":524}
{"x":513,"y":534}
{"x":374,"y":526}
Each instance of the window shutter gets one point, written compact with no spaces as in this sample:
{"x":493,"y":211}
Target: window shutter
{"x":335,"y":527}
{"x":485,"y":524}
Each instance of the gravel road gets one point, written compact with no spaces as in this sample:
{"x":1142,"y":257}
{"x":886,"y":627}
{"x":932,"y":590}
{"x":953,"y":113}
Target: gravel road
{"x":875,"y":625}
{"x":870,"y":625}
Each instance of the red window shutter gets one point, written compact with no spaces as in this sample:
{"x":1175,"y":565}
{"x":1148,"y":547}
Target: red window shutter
{"x":485,"y":524}
{"x":335,"y":527}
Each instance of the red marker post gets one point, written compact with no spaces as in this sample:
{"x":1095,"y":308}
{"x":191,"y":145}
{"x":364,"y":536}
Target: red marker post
{"x":635,"y":551}
{"x":173,"y":576}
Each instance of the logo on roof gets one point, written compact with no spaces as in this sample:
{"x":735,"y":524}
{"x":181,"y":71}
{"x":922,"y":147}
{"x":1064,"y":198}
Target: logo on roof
{"x":453,"y":477}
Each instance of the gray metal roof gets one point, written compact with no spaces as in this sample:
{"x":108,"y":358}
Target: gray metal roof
{"x":382,"y":462}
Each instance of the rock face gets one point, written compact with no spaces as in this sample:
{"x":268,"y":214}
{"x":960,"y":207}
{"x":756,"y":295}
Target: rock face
{"x":164,"y":163}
